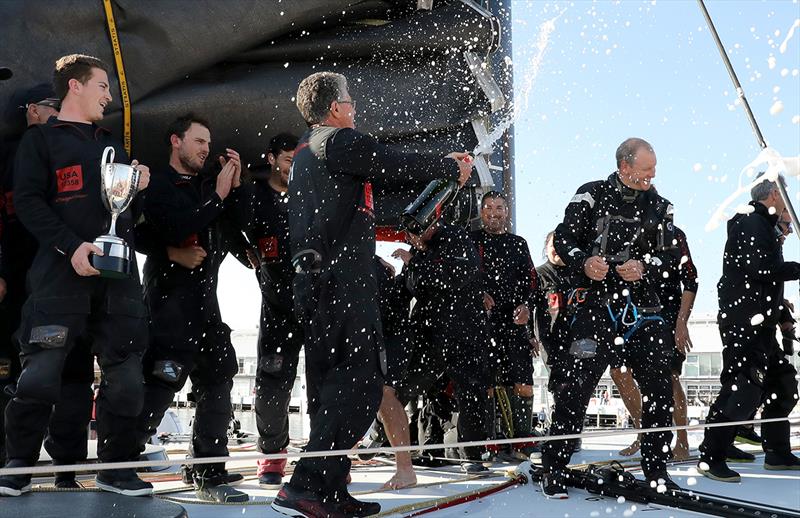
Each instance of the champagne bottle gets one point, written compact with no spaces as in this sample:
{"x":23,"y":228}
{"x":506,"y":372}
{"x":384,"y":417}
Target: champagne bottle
{"x":424,"y":211}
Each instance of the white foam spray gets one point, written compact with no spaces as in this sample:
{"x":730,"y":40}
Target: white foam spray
{"x":532,"y":71}
{"x":776,"y":164}
{"x":785,"y":44}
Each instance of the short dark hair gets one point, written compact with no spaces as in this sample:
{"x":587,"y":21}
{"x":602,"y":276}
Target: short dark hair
{"x":74,"y":66}
{"x":180,"y":125}
{"x":626,"y":152}
{"x":281,"y":142}
{"x":316,"y":93}
{"x":493,"y":195}
{"x":550,"y":235}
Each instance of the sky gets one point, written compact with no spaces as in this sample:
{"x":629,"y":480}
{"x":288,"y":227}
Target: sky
{"x":650,"y":69}
{"x":612,"y":70}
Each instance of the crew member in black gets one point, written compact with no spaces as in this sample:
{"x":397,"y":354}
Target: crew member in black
{"x":786,"y":324}
{"x":66,"y":432}
{"x":184,"y":209}
{"x":393,"y":423}
{"x":331,"y":222}
{"x":17,"y":246}
{"x":262,"y":212}
{"x":754,"y":369}
{"x":676,"y":292}
{"x":552,"y":313}
{"x":58,"y":199}
{"x":507,"y":278}
{"x":450,"y":324}
{"x":618,"y":235}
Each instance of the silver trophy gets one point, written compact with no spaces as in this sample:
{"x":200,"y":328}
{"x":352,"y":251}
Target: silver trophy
{"x":119,"y":184}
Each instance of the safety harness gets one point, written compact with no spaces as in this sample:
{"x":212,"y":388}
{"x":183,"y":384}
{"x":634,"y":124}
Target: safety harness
{"x":638,"y":319}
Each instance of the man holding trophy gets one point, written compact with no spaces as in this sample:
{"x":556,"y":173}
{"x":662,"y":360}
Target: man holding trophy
{"x":67,"y":200}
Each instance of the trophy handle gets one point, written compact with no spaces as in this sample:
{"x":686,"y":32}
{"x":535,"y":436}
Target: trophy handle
{"x":135,"y":181}
{"x":106,"y":160}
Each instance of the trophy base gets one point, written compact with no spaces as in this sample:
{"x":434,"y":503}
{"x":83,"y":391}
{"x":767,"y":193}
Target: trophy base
{"x":116,"y":261}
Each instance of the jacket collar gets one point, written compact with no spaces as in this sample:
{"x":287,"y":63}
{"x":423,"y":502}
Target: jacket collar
{"x":98,"y":130}
{"x":763,"y":211}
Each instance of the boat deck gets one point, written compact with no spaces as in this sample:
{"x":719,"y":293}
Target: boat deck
{"x":758,"y":486}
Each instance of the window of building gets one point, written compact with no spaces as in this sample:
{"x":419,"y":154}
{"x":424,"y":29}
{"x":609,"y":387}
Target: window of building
{"x":598,"y":392}
{"x":703,"y":394}
{"x":691,"y":367}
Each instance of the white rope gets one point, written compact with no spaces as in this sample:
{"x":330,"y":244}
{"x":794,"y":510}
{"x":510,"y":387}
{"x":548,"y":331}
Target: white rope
{"x":36,"y":470}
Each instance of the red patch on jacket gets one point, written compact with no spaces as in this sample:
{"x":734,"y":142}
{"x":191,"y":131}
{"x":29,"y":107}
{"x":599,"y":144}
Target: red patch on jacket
{"x":268,"y":247}
{"x":192,"y":240}
{"x":368,"y":201}
{"x":69,"y":178}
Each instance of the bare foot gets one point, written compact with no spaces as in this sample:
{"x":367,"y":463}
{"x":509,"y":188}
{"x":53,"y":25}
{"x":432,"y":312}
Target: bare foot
{"x":680,"y":451}
{"x":630,"y":450}
{"x":401,"y":479}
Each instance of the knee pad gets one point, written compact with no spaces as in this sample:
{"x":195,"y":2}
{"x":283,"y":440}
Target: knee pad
{"x":745,"y":397}
{"x":123,"y":387}
{"x":583,"y":348}
{"x":46,"y":337}
{"x":171,"y":373}
{"x":40,"y":379}
{"x":276,"y":372}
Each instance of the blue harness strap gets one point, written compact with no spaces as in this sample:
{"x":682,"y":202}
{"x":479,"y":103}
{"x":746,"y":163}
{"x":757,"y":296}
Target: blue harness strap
{"x":632,"y":325}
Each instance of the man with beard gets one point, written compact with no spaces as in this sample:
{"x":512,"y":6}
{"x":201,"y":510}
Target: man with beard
{"x":185,"y":209}
{"x":332,"y":231}
{"x":262,"y":213}
{"x":754,"y":369}
{"x":507,"y":278}
{"x":57,"y":198}
{"x":616,"y":241}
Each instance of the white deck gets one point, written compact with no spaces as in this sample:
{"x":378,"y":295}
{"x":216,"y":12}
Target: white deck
{"x":758,"y":486}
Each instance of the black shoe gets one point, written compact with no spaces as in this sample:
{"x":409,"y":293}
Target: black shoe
{"x":123,"y":481}
{"x":718,"y":471}
{"x":473,"y":467}
{"x":15,"y":485}
{"x":66,"y":480}
{"x":553,"y":487}
{"x":734,"y":454}
{"x":349,"y":506}
{"x":221,"y":493}
{"x":781,"y":462}
{"x":748,"y":435}
{"x":662,"y":483}
{"x":270,"y":480}
{"x":232,"y":479}
{"x":303,"y":504}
